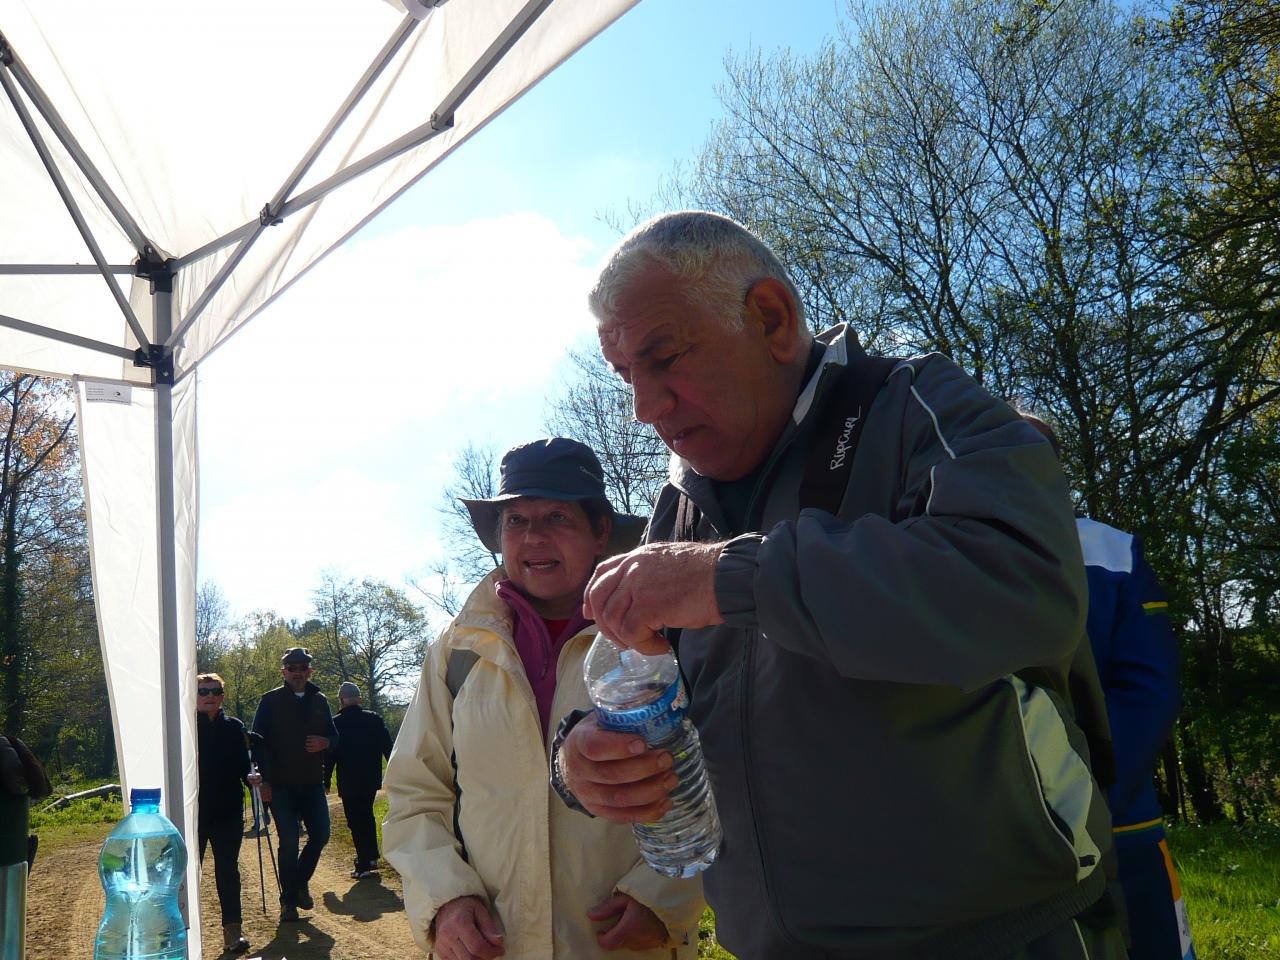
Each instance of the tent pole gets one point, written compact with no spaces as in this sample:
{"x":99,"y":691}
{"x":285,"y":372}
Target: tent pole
{"x":171,"y":680}
{"x":68,"y":269}
{"x":14,"y":323}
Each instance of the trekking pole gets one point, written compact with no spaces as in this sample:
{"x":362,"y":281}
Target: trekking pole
{"x":254,"y":800}
{"x":253,"y":768}
{"x":271,"y":852}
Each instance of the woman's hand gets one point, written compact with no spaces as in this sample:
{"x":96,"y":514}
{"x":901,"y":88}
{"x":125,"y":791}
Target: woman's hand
{"x":638,"y":927}
{"x":465,"y":930}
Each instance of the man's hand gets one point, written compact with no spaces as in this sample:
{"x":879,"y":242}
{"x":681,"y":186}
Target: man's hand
{"x":638,"y":927}
{"x":615,"y":775}
{"x":316,"y":744}
{"x":633,"y":596}
{"x":465,"y":930}
{"x":264,"y":791}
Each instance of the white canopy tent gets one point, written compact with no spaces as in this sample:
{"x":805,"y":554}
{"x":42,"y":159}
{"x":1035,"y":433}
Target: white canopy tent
{"x":167,"y":169}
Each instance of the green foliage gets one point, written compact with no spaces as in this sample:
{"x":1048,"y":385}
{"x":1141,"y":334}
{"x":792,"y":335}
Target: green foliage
{"x":1229,"y":878}
{"x":49,"y":655}
{"x":370,"y":633}
{"x":708,"y":947}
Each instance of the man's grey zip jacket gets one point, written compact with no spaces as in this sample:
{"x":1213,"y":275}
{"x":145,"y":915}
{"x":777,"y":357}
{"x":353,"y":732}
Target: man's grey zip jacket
{"x":885,"y":712}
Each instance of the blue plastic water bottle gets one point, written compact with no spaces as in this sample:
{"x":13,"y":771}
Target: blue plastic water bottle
{"x":142,"y":864}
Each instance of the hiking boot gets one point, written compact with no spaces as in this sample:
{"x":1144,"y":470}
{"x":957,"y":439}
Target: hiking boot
{"x":233,"y":940}
{"x":363,"y":873}
{"x":288,"y":914}
{"x":304,"y":899}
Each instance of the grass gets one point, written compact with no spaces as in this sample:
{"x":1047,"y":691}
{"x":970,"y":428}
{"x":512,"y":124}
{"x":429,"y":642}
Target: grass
{"x":88,"y":811}
{"x":708,"y":947}
{"x":1230,"y":877}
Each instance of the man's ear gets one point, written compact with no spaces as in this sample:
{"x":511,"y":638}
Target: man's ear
{"x":770,"y":304}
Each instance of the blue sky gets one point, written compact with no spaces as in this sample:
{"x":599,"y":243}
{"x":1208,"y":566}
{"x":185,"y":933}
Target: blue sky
{"x":447,"y":319}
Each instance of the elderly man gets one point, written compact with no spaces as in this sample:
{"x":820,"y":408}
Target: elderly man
{"x":879,"y":597}
{"x":296,"y":730}
{"x":363,"y":741}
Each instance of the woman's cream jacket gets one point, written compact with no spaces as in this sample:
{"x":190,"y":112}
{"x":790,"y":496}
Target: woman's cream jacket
{"x":538,"y":865}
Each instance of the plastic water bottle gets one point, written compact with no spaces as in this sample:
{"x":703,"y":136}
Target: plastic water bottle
{"x":143,"y":862}
{"x":643,"y":695}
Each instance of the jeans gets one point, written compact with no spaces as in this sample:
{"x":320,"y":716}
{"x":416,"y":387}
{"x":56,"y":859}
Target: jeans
{"x":224,"y":836}
{"x":289,"y":805}
{"x":358,"y":808}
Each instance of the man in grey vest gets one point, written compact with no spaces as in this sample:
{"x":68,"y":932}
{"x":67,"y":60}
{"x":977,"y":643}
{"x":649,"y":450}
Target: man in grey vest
{"x":297,"y":730}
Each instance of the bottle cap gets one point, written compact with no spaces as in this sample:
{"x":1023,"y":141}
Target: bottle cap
{"x":144,"y":795}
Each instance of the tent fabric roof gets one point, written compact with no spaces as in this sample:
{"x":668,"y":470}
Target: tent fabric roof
{"x":195,"y":115}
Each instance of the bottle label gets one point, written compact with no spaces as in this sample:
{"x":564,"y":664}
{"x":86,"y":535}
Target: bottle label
{"x":656,"y":721}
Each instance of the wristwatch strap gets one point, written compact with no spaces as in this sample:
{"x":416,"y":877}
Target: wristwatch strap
{"x":557,"y":777}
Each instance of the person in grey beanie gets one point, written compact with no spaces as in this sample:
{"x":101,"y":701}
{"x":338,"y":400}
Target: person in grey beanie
{"x":363,"y":741}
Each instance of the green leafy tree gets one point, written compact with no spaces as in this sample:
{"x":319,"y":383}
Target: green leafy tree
{"x":370,"y":633}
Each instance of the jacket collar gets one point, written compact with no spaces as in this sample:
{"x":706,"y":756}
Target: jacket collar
{"x":486,"y":624}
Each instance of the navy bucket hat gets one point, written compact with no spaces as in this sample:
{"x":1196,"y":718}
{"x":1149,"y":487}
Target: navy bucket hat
{"x":554,"y":469}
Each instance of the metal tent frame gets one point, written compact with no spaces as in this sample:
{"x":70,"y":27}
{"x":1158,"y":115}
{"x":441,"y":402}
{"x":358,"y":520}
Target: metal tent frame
{"x":57,"y":147}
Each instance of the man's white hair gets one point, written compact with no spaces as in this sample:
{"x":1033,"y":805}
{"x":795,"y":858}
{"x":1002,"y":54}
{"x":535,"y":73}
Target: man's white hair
{"x":716,"y":260}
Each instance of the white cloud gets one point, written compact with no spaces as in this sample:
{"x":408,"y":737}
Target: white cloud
{"x":327,"y":425}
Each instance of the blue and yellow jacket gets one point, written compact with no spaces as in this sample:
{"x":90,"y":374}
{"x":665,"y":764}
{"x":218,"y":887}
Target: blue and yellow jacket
{"x":1137,"y":658}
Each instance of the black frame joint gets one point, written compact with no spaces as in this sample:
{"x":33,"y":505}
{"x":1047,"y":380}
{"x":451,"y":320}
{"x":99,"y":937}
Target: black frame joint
{"x":6,"y":52}
{"x":267,"y":218}
{"x":161,"y":364}
{"x":151,"y":266}
{"x":158,"y":360}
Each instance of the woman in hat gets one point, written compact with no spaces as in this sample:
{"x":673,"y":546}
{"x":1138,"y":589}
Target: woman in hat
{"x":493,"y":863}
{"x":223,"y":751}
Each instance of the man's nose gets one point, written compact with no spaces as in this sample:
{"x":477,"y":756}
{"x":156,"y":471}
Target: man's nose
{"x":650,"y":398}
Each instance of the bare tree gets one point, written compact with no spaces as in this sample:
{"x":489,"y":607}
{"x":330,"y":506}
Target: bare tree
{"x":333,"y":603}
{"x":595,"y":407}
{"x":213,"y":617}
{"x":466,"y":560}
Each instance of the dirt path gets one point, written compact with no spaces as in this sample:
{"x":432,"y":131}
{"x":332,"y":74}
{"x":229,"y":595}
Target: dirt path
{"x":352,"y":920}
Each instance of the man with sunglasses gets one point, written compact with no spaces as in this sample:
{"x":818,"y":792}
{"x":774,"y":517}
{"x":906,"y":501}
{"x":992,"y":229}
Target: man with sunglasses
{"x":223,"y":750}
{"x":297,"y":730}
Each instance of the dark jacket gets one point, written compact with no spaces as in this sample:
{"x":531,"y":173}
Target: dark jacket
{"x":284,"y":721}
{"x":223,"y":748}
{"x":363,"y":742}
{"x":891,"y":779}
